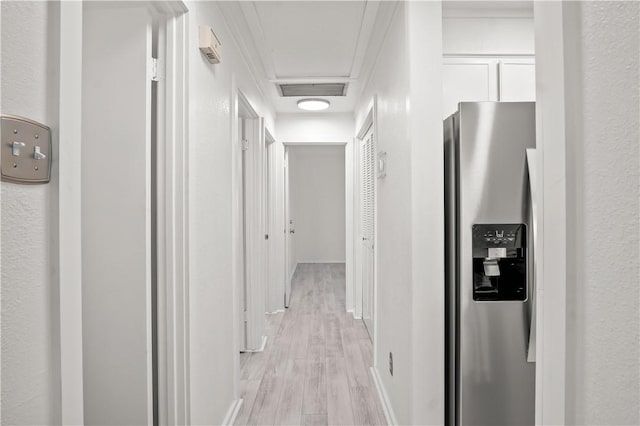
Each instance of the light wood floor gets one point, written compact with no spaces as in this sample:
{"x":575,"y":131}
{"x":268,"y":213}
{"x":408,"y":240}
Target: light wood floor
{"x":315,"y":367}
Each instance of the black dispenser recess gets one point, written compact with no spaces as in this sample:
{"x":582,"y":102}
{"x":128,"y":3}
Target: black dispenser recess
{"x":499,"y":262}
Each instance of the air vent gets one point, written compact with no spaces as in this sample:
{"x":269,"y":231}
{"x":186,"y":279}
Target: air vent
{"x":320,"y":89}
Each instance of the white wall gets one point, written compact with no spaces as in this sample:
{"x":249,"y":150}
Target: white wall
{"x":212,"y":161}
{"x":409,"y":313}
{"x":488,"y":35}
{"x":30,"y":335}
{"x":317,"y":182}
{"x":588,"y":121}
{"x":603,"y":196}
{"x":315,"y":127}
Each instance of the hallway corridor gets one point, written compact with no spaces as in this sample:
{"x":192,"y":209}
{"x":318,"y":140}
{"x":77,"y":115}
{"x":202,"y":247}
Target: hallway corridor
{"x":315,"y":367}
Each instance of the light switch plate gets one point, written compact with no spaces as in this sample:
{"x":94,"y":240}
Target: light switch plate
{"x":26,"y":150}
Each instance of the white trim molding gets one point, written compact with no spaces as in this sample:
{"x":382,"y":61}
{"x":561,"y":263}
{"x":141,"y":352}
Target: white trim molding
{"x":232,"y":412}
{"x":261,"y":348}
{"x":172,"y":216}
{"x":387,"y":409}
{"x":69,"y":225}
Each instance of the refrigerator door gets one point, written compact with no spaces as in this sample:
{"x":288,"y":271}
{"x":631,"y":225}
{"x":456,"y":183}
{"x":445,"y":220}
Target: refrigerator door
{"x":495,"y":384}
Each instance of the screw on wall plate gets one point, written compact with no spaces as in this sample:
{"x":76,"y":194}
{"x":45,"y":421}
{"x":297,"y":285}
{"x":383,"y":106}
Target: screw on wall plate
{"x":36,"y":167}
{"x":37,"y":136}
{"x":15,"y":131}
{"x":15,"y":165}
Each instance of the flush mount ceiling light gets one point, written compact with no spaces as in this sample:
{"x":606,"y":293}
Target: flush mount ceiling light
{"x":313,"y":104}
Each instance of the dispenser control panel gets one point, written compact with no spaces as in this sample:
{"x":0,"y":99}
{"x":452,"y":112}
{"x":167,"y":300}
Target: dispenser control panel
{"x":499,"y":262}
{"x":501,"y":235}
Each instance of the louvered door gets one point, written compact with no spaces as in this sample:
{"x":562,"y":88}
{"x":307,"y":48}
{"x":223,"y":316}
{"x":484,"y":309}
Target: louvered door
{"x":367,"y":223}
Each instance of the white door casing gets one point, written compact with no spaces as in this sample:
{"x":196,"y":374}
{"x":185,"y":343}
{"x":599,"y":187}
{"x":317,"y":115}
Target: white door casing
{"x":255,"y":233}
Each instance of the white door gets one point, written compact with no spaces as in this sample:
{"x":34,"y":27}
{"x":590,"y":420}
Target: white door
{"x":267,"y":214}
{"x":116,"y":214}
{"x":289,"y":233}
{"x":367,"y":226}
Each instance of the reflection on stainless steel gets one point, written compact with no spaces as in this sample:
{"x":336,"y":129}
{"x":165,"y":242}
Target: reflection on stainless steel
{"x":489,"y":290}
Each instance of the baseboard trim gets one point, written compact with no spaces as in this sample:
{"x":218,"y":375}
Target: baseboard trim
{"x":354,"y":315}
{"x":293,"y":272}
{"x":232,"y":412}
{"x":384,"y":398}
{"x":264,"y":343}
{"x":277,"y":311}
{"x":322,"y":261}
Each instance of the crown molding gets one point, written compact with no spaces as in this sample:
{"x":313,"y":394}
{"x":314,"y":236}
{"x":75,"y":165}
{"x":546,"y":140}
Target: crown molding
{"x":238,"y":27}
{"x":384,"y":16}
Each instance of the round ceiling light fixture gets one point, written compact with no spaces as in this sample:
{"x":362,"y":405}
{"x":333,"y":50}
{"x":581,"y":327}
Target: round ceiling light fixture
{"x":313,"y":104}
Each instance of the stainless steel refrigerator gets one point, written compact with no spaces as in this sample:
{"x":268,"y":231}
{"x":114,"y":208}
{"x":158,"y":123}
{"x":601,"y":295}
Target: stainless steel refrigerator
{"x":489,"y":264}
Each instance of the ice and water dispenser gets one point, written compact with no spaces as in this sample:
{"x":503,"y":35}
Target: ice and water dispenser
{"x":499,"y":262}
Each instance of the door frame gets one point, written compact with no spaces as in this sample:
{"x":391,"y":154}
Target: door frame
{"x":254,"y":242}
{"x":349,"y":200}
{"x":173,"y":279}
{"x":173,"y":215}
{"x":554,"y":25}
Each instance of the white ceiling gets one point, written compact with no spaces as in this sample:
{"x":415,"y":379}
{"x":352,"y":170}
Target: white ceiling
{"x":311,"y":39}
{"x":321,"y":41}
{"x":312,"y":42}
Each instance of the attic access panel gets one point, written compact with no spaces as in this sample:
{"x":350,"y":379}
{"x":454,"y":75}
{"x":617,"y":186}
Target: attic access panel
{"x":318,"y":89}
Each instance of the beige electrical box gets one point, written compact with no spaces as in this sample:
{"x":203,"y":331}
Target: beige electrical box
{"x":209,"y":44}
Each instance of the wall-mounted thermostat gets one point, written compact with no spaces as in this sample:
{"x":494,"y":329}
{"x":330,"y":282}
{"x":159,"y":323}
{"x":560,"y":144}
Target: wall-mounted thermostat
{"x":26,"y":150}
{"x":209,"y":44}
{"x":382,"y":165}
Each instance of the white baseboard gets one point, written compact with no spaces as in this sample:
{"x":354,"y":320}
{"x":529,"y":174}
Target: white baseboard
{"x":232,"y":412}
{"x":277,"y":311}
{"x":384,"y":398}
{"x":264,"y":343}
{"x":293,"y":272}
{"x":353,"y":312}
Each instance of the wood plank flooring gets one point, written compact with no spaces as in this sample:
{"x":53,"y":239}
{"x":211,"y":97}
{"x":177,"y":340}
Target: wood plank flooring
{"x":315,"y":367}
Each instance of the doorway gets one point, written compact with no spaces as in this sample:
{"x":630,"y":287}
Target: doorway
{"x":250,"y":227}
{"x":315,"y":206}
{"x":134,"y":214}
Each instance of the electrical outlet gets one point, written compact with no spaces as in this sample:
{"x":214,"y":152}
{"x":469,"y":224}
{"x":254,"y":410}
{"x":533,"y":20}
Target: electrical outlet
{"x":391,"y":363}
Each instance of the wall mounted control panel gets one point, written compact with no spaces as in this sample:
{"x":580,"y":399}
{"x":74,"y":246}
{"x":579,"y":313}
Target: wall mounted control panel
{"x":26,"y":150}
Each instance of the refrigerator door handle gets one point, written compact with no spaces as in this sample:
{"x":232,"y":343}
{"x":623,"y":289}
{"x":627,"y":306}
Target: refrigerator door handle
{"x":531,"y":166}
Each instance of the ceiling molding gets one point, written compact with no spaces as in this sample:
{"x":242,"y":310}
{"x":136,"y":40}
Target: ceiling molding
{"x":384,"y":16}
{"x":234,"y":18}
{"x":366,"y":29}
{"x":262,"y":44}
